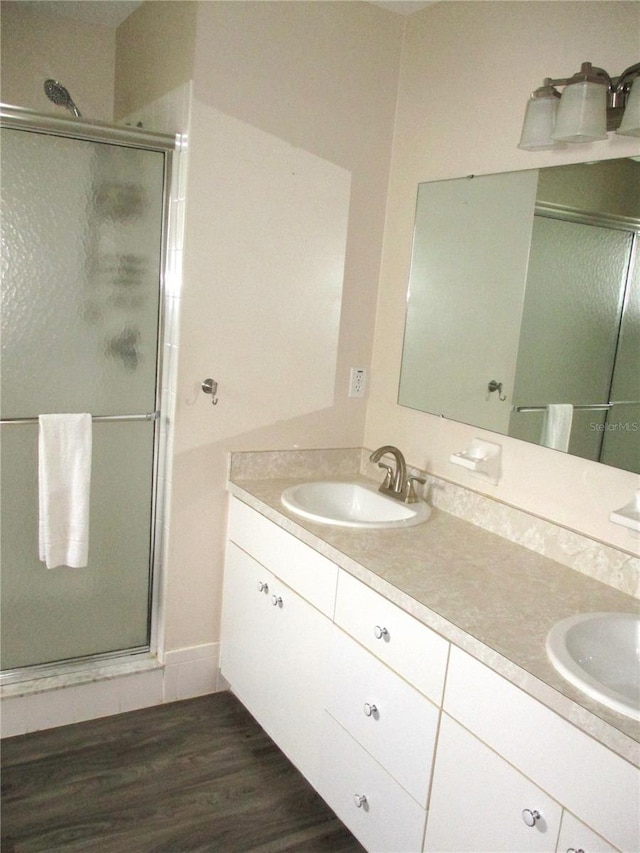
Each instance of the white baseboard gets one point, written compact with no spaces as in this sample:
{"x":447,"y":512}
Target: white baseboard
{"x":190,"y":672}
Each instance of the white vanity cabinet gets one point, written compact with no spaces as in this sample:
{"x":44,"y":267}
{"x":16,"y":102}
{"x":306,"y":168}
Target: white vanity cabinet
{"x":386,"y":718}
{"x":571,"y":771}
{"x":361,"y":725}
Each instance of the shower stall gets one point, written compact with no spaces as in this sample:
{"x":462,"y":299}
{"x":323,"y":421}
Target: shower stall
{"x":83,"y":248}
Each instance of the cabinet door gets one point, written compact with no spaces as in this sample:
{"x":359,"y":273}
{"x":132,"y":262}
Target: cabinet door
{"x":479,"y":802}
{"x":298,"y":668}
{"x":576,"y":837}
{"x":245,"y":630}
{"x":274,"y":652}
{"x":575,"y":769}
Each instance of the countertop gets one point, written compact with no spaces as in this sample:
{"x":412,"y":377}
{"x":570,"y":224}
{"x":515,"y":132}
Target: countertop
{"x":491,"y":597}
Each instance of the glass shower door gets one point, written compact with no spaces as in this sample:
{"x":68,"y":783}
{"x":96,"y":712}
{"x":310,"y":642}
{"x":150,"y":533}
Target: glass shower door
{"x":577,"y":270}
{"x":81,"y":271}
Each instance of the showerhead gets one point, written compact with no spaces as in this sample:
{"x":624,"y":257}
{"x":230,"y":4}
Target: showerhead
{"x":57,"y":93}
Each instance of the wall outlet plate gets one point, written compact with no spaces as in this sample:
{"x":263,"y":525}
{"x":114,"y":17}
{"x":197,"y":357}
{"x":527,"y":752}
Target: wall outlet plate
{"x":358,"y":382}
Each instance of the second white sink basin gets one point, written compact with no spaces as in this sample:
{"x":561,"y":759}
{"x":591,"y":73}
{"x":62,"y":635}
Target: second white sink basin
{"x":352,"y":505}
{"x":599,"y":653}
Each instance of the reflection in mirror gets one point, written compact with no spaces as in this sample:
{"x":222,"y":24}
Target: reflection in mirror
{"x":523,"y":309}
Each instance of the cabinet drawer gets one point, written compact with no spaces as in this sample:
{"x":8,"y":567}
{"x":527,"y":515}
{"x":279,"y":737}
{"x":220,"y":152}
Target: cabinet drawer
{"x":478,"y":800}
{"x":407,"y":646}
{"x":389,"y":820}
{"x":388,"y":717}
{"x":575,"y":769}
{"x":310,"y":574}
{"x":574,"y":836}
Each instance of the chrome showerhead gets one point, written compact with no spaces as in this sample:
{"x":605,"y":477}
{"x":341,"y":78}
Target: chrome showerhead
{"x":57,"y":93}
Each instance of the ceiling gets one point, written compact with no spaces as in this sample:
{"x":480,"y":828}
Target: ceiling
{"x":111,"y":13}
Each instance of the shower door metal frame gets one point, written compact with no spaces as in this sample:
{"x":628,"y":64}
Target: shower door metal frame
{"x":19,"y":118}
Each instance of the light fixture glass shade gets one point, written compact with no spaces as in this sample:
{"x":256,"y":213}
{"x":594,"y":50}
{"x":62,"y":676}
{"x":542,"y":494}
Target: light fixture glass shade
{"x":630,"y":124}
{"x":539,"y":121}
{"x":582,"y":114}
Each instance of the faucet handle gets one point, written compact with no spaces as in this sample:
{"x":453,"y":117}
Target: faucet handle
{"x":388,"y":477}
{"x":412,"y":497}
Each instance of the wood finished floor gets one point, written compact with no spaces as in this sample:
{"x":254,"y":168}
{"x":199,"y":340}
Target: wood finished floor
{"x":197,"y":775}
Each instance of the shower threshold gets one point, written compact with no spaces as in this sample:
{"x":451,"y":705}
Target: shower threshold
{"x":53,"y":676}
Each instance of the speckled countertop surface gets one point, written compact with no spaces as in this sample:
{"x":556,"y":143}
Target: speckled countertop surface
{"x":491,"y":597}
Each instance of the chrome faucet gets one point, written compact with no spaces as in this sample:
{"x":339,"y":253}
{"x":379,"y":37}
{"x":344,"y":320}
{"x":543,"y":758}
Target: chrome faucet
{"x":396,"y":484}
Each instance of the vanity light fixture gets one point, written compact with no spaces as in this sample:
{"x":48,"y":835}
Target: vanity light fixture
{"x":591,"y":104}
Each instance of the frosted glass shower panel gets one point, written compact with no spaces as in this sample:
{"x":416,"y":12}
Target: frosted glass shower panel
{"x":81,"y":249}
{"x":63,"y":613}
{"x":82,"y":234}
{"x":576,"y":271}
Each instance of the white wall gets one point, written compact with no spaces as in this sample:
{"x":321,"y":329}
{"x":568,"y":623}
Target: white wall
{"x":308,"y":87}
{"x":467,"y":71}
{"x":154,"y":57}
{"x":37,"y":45}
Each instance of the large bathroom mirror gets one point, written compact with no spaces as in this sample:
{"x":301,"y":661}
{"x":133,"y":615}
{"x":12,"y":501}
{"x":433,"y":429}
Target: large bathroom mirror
{"x":523,"y":308}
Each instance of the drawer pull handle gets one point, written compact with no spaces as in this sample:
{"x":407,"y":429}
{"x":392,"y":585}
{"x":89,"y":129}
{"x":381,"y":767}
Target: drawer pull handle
{"x":575,"y":850}
{"x":370,"y":710}
{"x":360,"y":800}
{"x":530,"y":816}
{"x":276,"y":600}
{"x":263,"y":587}
{"x":381,"y":633}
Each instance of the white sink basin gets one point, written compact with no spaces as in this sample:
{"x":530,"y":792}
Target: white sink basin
{"x":352,"y":505}
{"x":599,"y":653}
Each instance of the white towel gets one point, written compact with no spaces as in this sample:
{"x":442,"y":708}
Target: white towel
{"x":64,"y":478}
{"x":556,"y":428}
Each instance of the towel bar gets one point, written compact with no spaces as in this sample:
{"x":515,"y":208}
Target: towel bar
{"x":149,"y":416}
{"x":596,"y":407}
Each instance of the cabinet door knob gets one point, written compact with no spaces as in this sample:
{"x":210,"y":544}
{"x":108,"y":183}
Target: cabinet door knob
{"x":360,"y":800}
{"x":380,"y":632}
{"x":276,"y":600}
{"x":369,"y":709}
{"x":263,"y":587}
{"x":530,"y":816}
